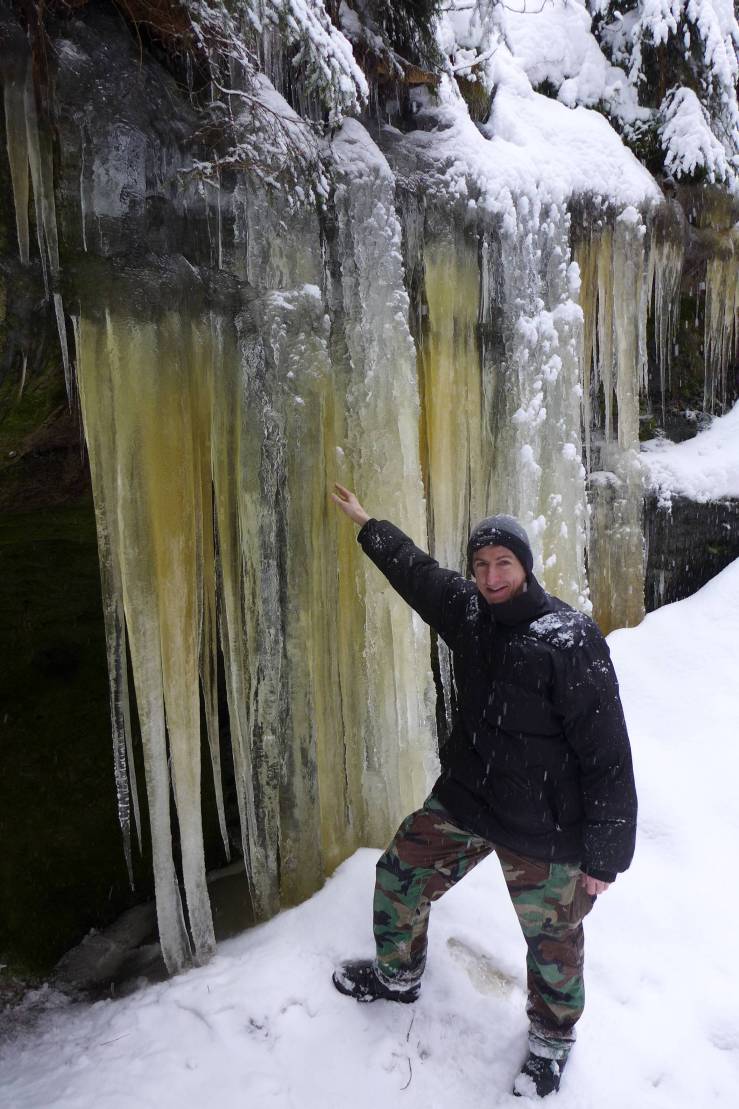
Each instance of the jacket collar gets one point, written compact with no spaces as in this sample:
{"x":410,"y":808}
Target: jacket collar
{"x":522,"y":609}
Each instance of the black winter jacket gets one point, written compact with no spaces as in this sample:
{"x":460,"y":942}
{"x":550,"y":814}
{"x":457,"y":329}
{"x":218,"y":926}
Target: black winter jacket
{"x":539,"y":759}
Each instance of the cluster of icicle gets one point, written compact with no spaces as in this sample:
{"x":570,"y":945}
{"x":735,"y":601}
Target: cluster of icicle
{"x":29,"y":148}
{"x":213,"y":442}
{"x":213,"y":445}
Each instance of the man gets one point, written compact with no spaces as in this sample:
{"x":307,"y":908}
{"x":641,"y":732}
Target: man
{"x":537,"y":769}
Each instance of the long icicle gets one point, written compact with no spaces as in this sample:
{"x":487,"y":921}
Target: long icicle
{"x":17,"y":143}
{"x":96,"y":396}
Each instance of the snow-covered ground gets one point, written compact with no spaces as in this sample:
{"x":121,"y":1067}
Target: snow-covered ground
{"x":705,"y":468}
{"x":262,"y":1026}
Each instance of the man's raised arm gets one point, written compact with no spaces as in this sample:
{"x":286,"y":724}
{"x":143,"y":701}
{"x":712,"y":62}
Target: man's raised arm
{"x":437,"y":595}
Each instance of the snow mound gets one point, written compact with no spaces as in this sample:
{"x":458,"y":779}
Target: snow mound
{"x":703,"y":469}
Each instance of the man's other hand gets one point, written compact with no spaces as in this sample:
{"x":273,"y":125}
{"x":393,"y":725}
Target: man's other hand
{"x":593,"y":886}
{"x":349,"y":504}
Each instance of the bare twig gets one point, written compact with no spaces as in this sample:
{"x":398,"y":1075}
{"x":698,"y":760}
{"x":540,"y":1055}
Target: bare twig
{"x":115,"y":1039}
{"x":476,"y":61}
{"x":410,"y":1065}
{"x":517,"y":11}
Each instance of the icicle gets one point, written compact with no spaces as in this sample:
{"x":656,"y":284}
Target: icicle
{"x":29,"y":145}
{"x":141,"y":443}
{"x":586,"y":256}
{"x":615,"y":539}
{"x":451,"y":389}
{"x":220,"y":224}
{"x":721,"y":337}
{"x":83,"y":206}
{"x":629,"y":319}
{"x":24,"y":369}
{"x":605,"y":363}
{"x":383,"y":453}
{"x":17,"y":143}
{"x":208,"y":631}
{"x":112,"y":594}
{"x":43,"y":200}
{"x":237,"y":510}
{"x":451,"y":408}
{"x":62,"y":332}
{"x":665,"y":271}
{"x":41,"y":162}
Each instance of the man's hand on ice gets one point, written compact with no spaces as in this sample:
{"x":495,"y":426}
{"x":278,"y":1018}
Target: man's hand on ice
{"x":349,"y":504}
{"x":593,"y":886}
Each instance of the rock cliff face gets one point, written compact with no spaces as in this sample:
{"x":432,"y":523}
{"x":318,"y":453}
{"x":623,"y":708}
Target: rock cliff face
{"x":229,"y":350}
{"x":687,"y":545}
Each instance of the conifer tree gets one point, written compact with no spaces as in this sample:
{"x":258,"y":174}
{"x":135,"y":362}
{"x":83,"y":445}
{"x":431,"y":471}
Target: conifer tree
{"x":681,"y":56}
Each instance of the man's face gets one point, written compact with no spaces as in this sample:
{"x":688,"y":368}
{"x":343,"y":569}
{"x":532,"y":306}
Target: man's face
{"x":498,"y":574}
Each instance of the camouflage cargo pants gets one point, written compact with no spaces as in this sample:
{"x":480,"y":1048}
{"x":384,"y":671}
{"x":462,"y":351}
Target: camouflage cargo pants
{"x":429,"y":854}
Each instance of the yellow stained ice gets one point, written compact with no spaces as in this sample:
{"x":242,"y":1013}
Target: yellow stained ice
{"x":666,"y":256}
{"x":454,"y":454}
{"x":614,"y":297}
{"x":211,"y":479}
{"x":454,"y":447}
{"x":141,"y":415}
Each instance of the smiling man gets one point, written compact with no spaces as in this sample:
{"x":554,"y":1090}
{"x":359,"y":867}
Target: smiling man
{"x":537,"y":769}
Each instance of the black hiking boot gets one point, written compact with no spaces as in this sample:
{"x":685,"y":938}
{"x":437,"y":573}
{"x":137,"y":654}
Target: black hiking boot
{"x":359,"y":979}
{"x":539,"y":1076}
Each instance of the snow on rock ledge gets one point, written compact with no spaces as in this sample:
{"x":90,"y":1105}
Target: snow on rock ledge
{"x":703,"y":469}
{"x":531,"y":146}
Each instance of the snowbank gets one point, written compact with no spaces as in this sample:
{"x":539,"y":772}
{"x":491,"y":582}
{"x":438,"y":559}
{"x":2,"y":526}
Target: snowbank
{"x":705,"y":468}
{"x":262,"y":1026}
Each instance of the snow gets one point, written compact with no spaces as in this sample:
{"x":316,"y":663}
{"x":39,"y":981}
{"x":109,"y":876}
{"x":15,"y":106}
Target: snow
{"x":523,"y":45}
{"x":262,"y":1025}
{"x":559,"y":147}
{"x":324,"y":51}
{"x":555,"y":44}
{"x":531,"y":146}
{"x":355,"y":152}
{"x":705,"y":468}
{"x":687,"y":138}
{"x":695,"y":135}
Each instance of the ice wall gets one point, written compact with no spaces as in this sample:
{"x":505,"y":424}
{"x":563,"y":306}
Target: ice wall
{"x":213,"y":445}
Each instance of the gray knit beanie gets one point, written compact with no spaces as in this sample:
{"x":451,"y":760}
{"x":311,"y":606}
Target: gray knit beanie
{"x":501,"y":531}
